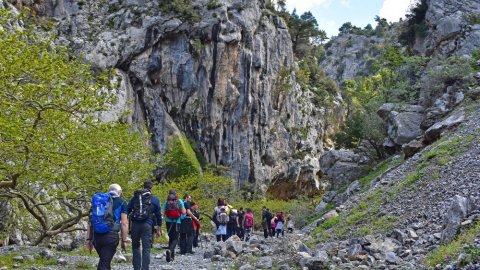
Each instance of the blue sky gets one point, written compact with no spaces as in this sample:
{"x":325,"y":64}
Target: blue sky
{"x":331,"y":14}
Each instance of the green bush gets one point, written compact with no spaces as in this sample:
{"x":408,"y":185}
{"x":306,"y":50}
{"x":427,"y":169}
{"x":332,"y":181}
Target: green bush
{"x":180,"y":158}
{"x":183,"y":8}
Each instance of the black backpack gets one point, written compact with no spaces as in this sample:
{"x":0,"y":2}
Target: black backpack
{"x":142,"y":204}
{"x":233,"y":217}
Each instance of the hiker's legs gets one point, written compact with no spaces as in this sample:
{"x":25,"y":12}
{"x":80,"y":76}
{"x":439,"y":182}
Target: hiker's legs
{"x":183,"y":243}
{"x":136,"y":234}
{"x":106,"y":246}
{"x":189,"y":242}
{"x":195,"y":237}
{"x":173,"y":236}
{"x":147,"y":238}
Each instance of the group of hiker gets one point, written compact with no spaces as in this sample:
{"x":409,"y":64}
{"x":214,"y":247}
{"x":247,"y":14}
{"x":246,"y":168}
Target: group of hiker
{"x":111,"y":216}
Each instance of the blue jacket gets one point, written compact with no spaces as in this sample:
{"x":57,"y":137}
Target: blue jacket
{"x":155,"y":211}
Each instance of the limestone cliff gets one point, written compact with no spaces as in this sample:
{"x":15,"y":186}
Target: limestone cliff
{"x":213,"y":77}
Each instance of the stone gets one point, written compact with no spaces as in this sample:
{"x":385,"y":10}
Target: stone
{"x":19,"y":259}
{"x":234,"y":244}
{"x":303,"y":248}
{"x":216,"y":258}
{"x":62,"y":261}
{"x":246,"y":267}
{"x":354,"y":250}
{"x":412,"y":234}
{"x":433,"y":133}
{"x":46,"y":253}
{"x":208,"y":254}
{"x":320,"y":208}
{"x":29,"y":258}
{"x":264,"y":263}
{"x":412,"y":148}
{"x":391,"y":257}
{"x":460,"y":208}
{"x":331,"y":214}
{"x":284,"y":267}
{"x":399,"y":235}
{"x":65,"y":245}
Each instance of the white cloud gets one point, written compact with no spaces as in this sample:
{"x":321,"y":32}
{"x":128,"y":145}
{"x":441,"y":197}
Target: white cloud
{"x":306,"y":5}
{"x":346,"y":3}
{"x":393,"y":10}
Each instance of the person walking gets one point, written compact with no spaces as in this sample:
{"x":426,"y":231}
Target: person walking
{"x":266,"y":219}
{"x":248,"y":224}
{"x":265,"y":222}
{"x":186,"y":227}
{"x":279,"y":220}
{"x":173,"y":209}
{"x":104,"y":224}
{"x":240,"y":227}
{"x":144,"y":211}
{"x":220,"y":217}
{"x":290,"y":224}
{"x":197,"y":225}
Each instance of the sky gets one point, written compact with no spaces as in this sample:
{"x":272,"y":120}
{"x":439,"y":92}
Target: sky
{"x":331,"y":14}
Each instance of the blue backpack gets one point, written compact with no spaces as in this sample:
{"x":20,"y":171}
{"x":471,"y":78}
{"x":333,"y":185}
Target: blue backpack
{"x":104,"y":219}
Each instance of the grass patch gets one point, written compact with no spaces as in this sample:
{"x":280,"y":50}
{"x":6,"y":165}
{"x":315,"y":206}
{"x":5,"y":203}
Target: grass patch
{"x":453,"y":248}
{"x":378,"y":170}
{"x":411,"y":179}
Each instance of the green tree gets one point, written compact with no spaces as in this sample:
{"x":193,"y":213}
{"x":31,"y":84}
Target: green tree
{"x":54,"y":151}
{"x":304,"y":33}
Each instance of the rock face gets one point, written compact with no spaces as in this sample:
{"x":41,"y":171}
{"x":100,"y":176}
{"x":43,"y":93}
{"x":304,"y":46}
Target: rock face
{"x":451,"y":27}
{"x":214,"y":79}
{"x":351,"y":55}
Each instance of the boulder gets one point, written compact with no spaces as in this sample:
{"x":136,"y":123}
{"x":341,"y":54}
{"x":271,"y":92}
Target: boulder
{"x":412,"y":148}
{"x":342,"y":166}
{"x":234,"y":244}
{"x":403,"y":122}
{"x":460,"y":208}
{"x":65,"y":245}
{"x":331,"y":214}
{"x":434,"y":132}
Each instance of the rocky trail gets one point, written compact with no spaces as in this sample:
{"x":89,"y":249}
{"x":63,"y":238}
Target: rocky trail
{"x":258,"y":253}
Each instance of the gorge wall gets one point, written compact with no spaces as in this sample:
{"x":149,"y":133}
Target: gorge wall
{"x":214,"y":78}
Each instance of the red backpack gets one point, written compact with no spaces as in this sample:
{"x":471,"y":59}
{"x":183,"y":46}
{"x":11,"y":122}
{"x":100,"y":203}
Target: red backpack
{"x":172,"y":210}
{"x":248,"y":220}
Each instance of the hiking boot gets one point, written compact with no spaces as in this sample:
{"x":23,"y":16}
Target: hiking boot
{"x":168,"y":255}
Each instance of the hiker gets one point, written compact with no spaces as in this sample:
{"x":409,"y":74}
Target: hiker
{"x":104,"y":224}
{"x":266,"y":225}
{"x":290,"y":224}
{"x":273,"y":224}
{"x":240,"y":227}
{"x":196,"y":223}
{"x":220,"y":218}
{"x":173,"y":209}
{"x":144,"y":212}
{"x":186,"y":227}
{"x":248,"y":224}
{"x":279,"y":222}
{"x":232,"y":223}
